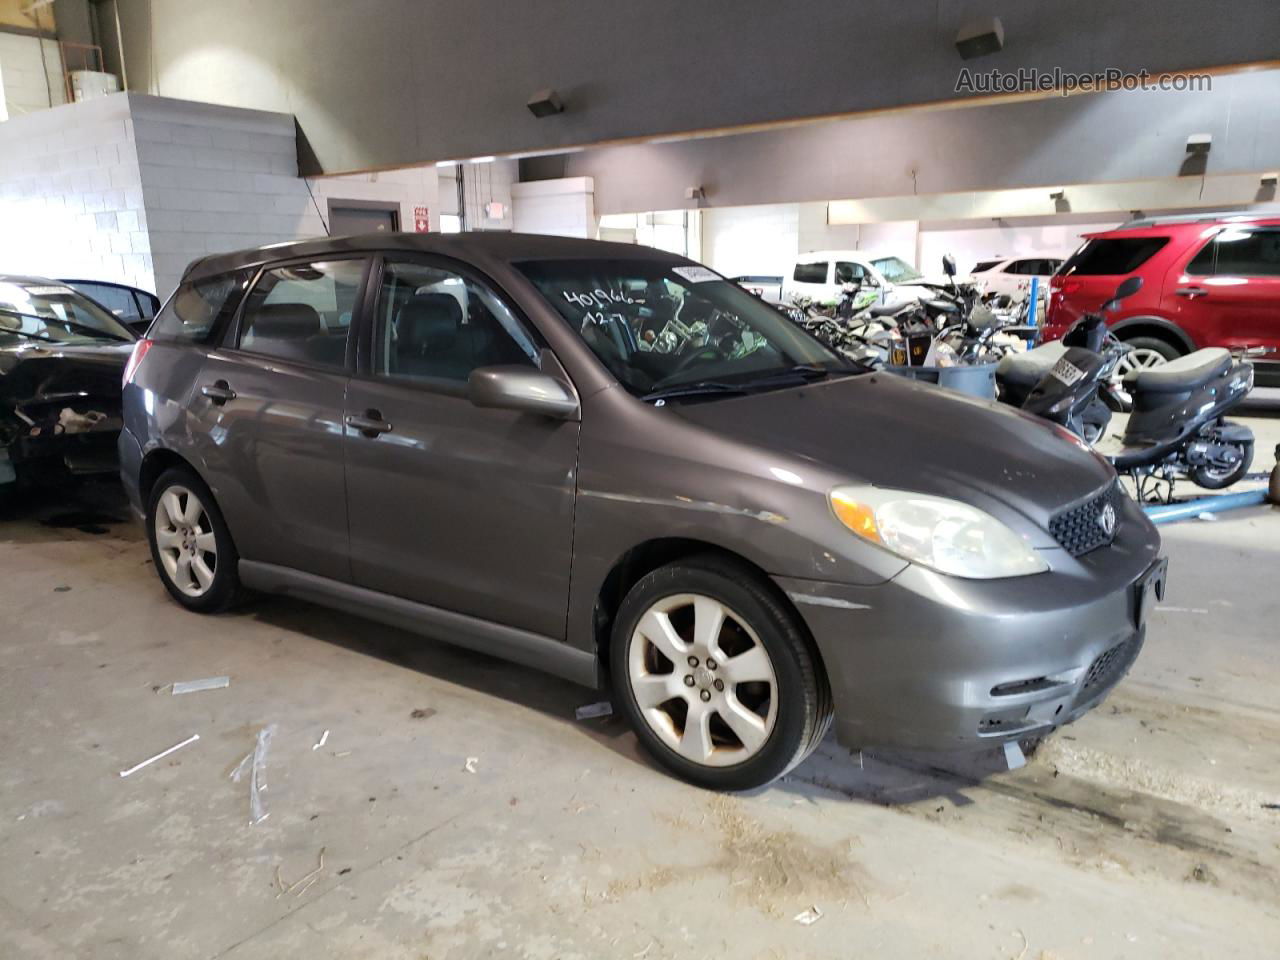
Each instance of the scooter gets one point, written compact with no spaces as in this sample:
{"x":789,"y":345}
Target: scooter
{"x":1177,"y":428}
{"x":1062,"y":380}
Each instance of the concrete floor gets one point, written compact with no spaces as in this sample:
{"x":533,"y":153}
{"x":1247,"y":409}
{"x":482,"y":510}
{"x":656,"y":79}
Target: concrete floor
{"x":1144,"y":831}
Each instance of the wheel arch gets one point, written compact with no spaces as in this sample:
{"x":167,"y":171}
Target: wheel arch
{"x":155,"y":463}
{"x":1157,"y":327}
{"x":642,"y":559}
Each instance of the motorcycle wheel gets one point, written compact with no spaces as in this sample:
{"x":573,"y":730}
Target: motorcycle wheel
{"x":1212,"y":479}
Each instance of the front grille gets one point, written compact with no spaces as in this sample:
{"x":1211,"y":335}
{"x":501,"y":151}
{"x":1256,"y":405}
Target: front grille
{"x":1109,"y":667}
{"x":1080,"y":529}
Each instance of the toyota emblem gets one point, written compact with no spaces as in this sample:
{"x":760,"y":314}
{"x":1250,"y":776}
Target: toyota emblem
{"x":1107,"y":520}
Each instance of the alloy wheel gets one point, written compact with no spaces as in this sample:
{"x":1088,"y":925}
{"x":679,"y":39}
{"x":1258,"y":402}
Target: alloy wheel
{"x":185,"y":541}
{"x":1137,"y":358}
{"x":703,"y":681}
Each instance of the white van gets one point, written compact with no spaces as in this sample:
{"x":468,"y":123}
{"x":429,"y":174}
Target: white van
{"x":821,"y":276}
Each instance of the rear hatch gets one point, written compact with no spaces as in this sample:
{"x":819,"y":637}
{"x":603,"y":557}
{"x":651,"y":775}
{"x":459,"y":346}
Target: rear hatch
{"x":1091,"y":275}
{"x":62,"y":400}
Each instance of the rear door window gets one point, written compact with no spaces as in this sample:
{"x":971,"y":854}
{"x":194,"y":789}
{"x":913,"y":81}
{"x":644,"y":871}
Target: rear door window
{"x":810,"y":272}
{"x":302,"y":312}
{"x":1113,"y":256}
{"x":982,"y":266}
{"x":199,"y":308}
{"x":1239,"y":252}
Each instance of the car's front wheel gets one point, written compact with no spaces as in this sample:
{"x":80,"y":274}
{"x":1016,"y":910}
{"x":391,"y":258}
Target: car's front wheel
{"x":716,"y":676}
{"x":190,"y":545}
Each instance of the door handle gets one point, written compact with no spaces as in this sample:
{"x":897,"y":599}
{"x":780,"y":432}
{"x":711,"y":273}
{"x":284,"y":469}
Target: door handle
{"x":1191,"y":292}
{"x":219,"y":392}
{"x":371,"y":425}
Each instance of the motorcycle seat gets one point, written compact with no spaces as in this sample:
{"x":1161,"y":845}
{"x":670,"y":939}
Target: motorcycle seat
{"x":1027,"y":368}
{"x":1178,"y":376}
{"x":885,"y":309}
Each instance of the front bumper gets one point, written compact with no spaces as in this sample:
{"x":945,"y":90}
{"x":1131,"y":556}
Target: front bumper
{"x":931,"y":662}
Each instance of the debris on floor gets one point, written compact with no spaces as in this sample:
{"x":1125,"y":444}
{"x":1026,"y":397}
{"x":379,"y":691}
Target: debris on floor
{"x":592,"y":710}
{"x":256,"y":764}
{"x":422,"y":713}
{"x":470,"y":765}
{"x":160,"y":756}
{"x":808,"y":917}
{"x":195,"y":686}
{"x":324,"y":738}
{"x":302,"y":884}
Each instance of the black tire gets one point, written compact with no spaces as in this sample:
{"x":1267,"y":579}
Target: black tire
{"x":224,"y":591}
{"x":1201,"y":477}
{"x":804,"y":707}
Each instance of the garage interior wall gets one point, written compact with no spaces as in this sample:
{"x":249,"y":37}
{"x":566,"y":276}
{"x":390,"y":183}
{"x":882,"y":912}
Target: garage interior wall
{"x":482,"y":184}
{"x":132,"y":188}
{"x":564,"y":207}
{"x":30,"y":64}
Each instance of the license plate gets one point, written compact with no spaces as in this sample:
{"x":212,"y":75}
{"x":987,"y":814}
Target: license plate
{"x":1150,"y":589}
{"x":1067,"y":372}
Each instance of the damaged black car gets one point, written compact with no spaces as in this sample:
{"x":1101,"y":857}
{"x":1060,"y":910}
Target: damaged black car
{"x":61,"y":361}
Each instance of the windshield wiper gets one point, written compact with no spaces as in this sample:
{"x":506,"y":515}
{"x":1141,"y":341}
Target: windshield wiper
{"x":799,"y":374}
{"x":93,"y":331}
{"x":697,"y":388}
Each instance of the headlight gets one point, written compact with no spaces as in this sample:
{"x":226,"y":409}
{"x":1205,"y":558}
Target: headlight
{"x":945,"y":535}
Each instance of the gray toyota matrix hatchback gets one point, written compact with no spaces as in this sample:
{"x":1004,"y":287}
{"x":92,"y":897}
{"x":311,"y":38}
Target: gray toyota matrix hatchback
{"x":606,"y":461}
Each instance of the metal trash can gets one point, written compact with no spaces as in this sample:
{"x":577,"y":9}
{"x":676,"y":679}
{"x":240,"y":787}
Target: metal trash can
{"x":976,"y":380}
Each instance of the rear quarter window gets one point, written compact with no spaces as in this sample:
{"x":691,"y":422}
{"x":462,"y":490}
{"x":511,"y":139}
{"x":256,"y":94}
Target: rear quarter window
{"x":810,"y":272}
{"x":198,"y":308}
{"x":1107,"y":256}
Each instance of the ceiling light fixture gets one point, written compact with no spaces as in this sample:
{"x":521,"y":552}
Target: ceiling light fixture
{"x":981,"y":37}
{"x":545,"y":103}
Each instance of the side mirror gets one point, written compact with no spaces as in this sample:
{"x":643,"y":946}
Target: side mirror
{"x":523,"y":389}
{"x":949,"y":265}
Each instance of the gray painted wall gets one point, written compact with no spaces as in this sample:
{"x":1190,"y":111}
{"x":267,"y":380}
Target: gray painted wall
{"x":394,"y":82}
{"x":1082,"y":139}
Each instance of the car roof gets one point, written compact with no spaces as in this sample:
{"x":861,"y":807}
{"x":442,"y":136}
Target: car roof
{"x":478,"y":247}
{"x":815,"y":255}
{"x":27,"y":278}
{"x":105,"y":283}
{"x":1161,"y":226}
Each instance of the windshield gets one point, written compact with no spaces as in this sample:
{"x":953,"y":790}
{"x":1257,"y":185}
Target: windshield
{"x":896,"y":270}
{"x":53,"y":312}
{"x":659,"y":327}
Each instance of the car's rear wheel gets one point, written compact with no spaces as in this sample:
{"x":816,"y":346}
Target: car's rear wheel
{"x":716,"y":676}
{"x":190,"y":545}
{"x":1143,"y":353}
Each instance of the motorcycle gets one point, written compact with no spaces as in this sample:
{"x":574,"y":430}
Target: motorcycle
{"x":1177,"y":428}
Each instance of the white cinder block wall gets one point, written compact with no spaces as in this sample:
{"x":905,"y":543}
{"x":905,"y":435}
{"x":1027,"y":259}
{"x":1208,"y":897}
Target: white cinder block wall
{"x":132,"y":188}
{"x":28,"y":83}
{"x":71,"y":200}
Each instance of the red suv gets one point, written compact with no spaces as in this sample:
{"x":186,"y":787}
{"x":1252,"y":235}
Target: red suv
{"x":1209,"y":280}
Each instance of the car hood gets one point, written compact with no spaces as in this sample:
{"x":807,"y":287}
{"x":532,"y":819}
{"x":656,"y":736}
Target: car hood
{"x":888,"y":431}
